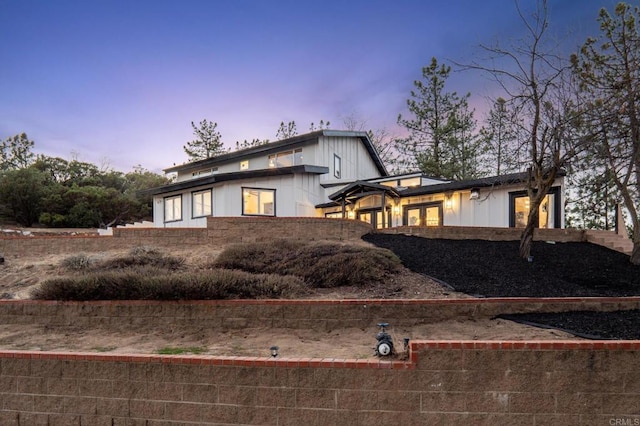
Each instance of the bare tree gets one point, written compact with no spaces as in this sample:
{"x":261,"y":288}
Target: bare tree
{"x":538,"y":87}
{"x":381,"y":139}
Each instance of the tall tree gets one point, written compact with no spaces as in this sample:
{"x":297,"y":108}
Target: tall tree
{"x":286,"y":131}
{"x":502,"y":152}
{"x":16,"y":152}
{"x":208,"y":141}
{"x":593,"y":195}
{"x":608,"y":68}
{"x":21,"y":192}
{"x":322,"y":125}
{"x":439,"y":135}
{"x":462,"y":144}
{"x":538,"y":88}
{"x":248,"y":144}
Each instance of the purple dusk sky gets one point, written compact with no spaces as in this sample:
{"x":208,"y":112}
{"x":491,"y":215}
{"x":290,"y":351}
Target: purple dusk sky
{"x":119,"y":81}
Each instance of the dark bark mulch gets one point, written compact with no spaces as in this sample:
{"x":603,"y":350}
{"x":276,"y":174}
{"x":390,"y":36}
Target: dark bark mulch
{"x":494,"y":269}
{"x":619,"y":325}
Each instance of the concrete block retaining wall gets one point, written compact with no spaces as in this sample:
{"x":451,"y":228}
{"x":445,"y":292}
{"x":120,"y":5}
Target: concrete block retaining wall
{"x":443,"y":383}
{"x":323,"y":315}
{"x":219,"y":231}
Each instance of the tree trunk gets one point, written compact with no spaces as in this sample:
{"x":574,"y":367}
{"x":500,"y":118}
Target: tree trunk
{"x":635,"y":253}
{"x":526,"y":239}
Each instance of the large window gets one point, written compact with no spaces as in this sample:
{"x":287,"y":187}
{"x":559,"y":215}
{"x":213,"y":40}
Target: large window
{"x":286,"y":158}
{"x":201,"y":203}
{"x":429,"y":214}
{"x":258,"y":202}
{"x":548,"y":213}
{"x":173,"y":208}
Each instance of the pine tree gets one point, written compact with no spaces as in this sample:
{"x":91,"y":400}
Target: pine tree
{"x":208,"y":141}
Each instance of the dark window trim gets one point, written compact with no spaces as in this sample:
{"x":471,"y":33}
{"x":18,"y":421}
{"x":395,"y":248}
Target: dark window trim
{"x":164,"y":208}
{"x":555,"y":190}
{"x":210,"y":190}
{"x":242,"y":188}
{"x":423,"y":207}
{"x":337,"y":171}
{"x":374,"y":211}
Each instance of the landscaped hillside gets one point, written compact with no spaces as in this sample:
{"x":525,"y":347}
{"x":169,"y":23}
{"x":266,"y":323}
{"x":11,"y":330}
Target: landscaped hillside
{"x":493,"y":268}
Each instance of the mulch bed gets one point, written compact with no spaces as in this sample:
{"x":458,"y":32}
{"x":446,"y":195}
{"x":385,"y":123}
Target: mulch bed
{"x":494,"y":269}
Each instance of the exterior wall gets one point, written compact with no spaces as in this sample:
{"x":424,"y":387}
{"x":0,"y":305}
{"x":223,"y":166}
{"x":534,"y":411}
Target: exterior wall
{"x":257,"y":161}
{"x":296,"y":196}
{"x":356,"y":161}
{"x":442,"y":383}
{"x":491,"y":209}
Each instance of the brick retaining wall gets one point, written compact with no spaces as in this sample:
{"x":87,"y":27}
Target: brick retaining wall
{"x":443,"y":383}
{"x":219,"y":231}
{"x":320,"y":315}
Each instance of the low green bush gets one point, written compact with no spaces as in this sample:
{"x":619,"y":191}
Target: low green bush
{"x":145,"y":285}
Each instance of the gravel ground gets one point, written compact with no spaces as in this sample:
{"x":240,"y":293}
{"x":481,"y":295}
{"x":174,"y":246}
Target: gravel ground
{"x":493,"y":269}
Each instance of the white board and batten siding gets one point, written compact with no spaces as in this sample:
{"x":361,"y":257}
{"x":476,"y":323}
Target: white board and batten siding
{"x":356,"y":163}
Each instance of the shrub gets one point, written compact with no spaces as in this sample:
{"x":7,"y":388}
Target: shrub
{"x":335,"y":265}
{"x":145,"y":256}
{"x":144,"y":285}
{"x":79,"y":262}
{"x":319,"y":264}
{"x":256,"y":257}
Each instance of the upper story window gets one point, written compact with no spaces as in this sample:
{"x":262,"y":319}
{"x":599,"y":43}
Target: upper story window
{"x":337,"y":166}
{"x":204,"y":172}
{"x":173,"y":208}
{"x":244,"y":165}
{"x":201,"y":201}
{"x":286,"y":158}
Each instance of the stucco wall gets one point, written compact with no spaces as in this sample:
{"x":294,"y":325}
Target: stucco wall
{"x":443,"y":383}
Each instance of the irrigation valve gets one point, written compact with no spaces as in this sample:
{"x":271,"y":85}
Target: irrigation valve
{"x":384,"y":347}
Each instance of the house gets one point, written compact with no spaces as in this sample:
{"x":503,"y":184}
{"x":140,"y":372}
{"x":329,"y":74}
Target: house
{"x":338,"y":174}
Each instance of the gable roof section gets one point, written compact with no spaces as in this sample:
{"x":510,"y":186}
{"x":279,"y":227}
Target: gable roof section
{"x":224,"y":177}
{"x":362,"y":188}
{"x":356,"y":190}
{"x":278,"y":146}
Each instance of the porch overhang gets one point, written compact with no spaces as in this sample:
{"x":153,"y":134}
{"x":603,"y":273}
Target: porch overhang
{"x":357,"y":190}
